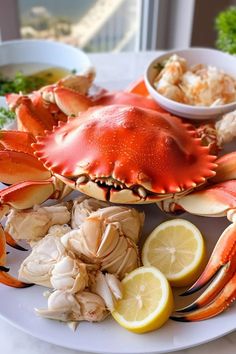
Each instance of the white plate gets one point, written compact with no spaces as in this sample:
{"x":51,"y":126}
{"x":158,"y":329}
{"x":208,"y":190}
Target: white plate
{"x":17,"y":307}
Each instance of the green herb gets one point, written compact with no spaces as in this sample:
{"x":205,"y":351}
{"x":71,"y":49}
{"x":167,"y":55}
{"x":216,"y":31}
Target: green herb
{"x":159,"y":66}
{"x":225,"y":24}
{"x":73,"y":71}
{"x":20,"y":83}
{"x":6,"y":116}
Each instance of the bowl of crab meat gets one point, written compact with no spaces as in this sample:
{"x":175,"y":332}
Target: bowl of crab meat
{"x":195,"y":83}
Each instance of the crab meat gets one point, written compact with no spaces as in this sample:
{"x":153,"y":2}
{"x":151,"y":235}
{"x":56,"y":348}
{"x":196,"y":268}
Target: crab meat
{"x":82,"y":208}
{"x":38,"y":266}
{"x":108,"y":237}
{"x":65,"y":306}
{"x":108,"y":287}
{"x":31,"y":225}
{"x":69,"y":274}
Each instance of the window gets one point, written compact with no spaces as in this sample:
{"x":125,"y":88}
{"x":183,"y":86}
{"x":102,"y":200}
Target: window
{"x":93,"y":25}
{"x":101,"y":25}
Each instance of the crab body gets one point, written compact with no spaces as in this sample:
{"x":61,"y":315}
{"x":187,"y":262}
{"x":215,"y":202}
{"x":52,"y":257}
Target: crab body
{"x":126,"y":154}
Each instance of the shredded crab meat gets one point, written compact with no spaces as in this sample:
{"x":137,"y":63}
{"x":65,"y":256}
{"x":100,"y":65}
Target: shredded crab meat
{"x":199,"y":85}
{"x":82,"y":265}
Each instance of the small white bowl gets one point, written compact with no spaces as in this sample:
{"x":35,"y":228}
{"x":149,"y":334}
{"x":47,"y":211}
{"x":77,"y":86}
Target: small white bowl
{"x":193,"y":56}
{"x":54,"y":54}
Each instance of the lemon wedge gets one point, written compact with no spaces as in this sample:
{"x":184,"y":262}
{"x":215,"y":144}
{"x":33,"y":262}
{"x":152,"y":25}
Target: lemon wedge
{"x":147,"y":300}
{"x":176,"y":248}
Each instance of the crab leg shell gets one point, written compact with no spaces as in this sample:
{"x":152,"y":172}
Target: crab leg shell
{"x":17,"y":141}
{"x":2,"y":247}
{"x":222,"y":290}
{"x":226,"y":168}
{"x":32,"y":114}
{"x":222,"y":277}
{"x":217,"y":200}
{"x":71,"y":102}
{"x":9,"y":280}
{"x":11,"y":242}
{"x":221,"y":302}
{"x":223,"y":255}
{"x":6,"y":278}
{"x":24,"y":195}
{"x":16,"y":166}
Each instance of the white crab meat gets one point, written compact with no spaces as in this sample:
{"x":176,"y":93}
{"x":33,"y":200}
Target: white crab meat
{"x":82,"y":208}
{"x":64,"y":306}
{"x":226,"y":128}
{"x":34,"y":224}
{"x":38,"y":266}
{"x":108,"y":237}
{"x":69,"y":274}
{"x":108,"y":287}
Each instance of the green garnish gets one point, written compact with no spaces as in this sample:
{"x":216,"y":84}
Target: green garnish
{"x":20,"y":83}
{"x":73,"y":71}
{"x":6,"y":116}
{"x":225,"y":24}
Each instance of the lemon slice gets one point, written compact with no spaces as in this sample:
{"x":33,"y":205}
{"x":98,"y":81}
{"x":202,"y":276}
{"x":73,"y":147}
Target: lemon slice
{"x":176,"y":248}
{"x":147,"y":300}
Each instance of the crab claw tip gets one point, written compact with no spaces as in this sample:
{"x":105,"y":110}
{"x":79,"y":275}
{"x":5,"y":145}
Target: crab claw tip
{"x":179,"y":319}
{"x":4,"y":269}
{"x":189,"y":308}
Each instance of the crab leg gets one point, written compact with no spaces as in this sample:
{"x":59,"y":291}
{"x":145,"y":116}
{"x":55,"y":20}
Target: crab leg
{"x":6,"y":278}
{"x":24,"y":195}
{"x":222,"y":261}
{"x":17,"y":161}
{"x":222,"y":266}
{"x":221,"y":302}
{"x":216,"y":200}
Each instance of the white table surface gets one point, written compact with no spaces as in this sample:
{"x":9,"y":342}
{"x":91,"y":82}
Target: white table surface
{"x":114,"y":71}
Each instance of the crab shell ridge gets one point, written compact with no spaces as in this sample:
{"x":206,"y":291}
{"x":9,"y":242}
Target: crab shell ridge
{"x":126,"y":154}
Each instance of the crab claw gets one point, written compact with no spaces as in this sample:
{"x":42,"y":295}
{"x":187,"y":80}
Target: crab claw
{"x":11,"y":242}
{"x":9,"y":280}
{"x":222,"y":260}
{"x":221,"y":302}
{"x":6,"y":278}
{"x":222,"y":290}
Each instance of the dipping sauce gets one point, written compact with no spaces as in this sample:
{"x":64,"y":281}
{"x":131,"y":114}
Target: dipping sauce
{"x":28,"y":77}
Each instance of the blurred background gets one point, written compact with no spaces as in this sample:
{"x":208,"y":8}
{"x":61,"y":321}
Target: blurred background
{"x":114,"y":26}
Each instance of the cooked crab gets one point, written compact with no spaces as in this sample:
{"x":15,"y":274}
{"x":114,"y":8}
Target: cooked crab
{"x":119,"y":153}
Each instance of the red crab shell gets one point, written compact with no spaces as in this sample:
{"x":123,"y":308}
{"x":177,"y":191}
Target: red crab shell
{"x":126,"y":154}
